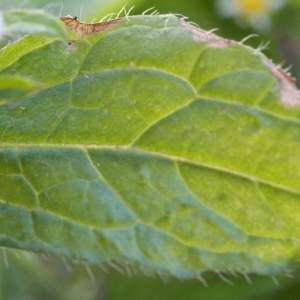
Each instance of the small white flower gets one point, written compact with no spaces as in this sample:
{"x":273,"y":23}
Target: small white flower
{"x":254,"y":13}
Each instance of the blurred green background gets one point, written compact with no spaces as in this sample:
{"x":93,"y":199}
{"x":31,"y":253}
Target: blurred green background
{"x":30,"y":276}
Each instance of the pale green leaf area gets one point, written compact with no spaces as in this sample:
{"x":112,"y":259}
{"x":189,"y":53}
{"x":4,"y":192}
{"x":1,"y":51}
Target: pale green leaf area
{"x":12,"y":87}
{"x":150,"y":148}
{"x":31,"y":20}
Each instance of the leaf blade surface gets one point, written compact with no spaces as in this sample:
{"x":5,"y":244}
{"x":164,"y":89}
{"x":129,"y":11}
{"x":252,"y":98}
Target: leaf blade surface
{"x":154,"y":148}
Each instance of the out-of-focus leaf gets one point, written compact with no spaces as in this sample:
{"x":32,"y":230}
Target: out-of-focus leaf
{"x":13,"y":86}
{"x":31,"y":21}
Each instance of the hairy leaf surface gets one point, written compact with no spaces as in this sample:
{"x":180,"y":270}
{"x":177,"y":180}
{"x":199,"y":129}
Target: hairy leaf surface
{"x":152,"y":146}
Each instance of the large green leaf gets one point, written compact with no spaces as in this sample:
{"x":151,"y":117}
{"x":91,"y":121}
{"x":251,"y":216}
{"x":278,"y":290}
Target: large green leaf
{"x":154,"y":144}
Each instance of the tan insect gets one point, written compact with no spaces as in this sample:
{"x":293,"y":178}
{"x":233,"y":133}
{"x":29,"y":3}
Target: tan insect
{"x":83,"y":29}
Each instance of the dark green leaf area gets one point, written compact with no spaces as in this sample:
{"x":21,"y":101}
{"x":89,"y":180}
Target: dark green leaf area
{"x":100,"y":210}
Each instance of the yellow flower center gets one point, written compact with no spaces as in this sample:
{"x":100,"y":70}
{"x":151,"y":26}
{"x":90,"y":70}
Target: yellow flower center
{"x":253,"y":6}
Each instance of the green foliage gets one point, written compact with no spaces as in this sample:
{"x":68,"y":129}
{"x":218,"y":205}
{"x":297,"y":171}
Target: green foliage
{"x":12,"y":87}
{"x":139,"y":146}
{"x":148,"y":147}
{"x":33,"y":21}
{"x":31,"y":276}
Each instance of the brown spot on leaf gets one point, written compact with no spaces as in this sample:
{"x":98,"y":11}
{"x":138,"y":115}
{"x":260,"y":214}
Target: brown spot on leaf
{"x":69,"y":46}
{"x":289,"y":94}
{"x":83,"y":29}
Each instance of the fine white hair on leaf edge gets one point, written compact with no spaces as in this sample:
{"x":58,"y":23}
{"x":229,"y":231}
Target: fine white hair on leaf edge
{"x":90,"y":272}
{"x":147,"y":10}
{"x":275,"y":280}
{"x":224,"y":278}
{"x":247,"y":38}
{"x":5,"y":258}
{"x":202,"y":280}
